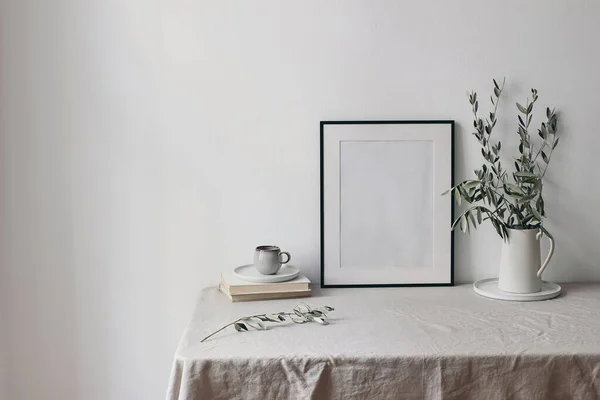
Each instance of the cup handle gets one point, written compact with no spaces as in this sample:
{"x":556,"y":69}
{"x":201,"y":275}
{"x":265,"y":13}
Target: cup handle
{"x":288,"y":257}
{"x":550,"y":253}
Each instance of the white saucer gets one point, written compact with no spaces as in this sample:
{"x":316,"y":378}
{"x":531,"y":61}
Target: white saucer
{"x":250,"y":274}
{"x":489,"y":288}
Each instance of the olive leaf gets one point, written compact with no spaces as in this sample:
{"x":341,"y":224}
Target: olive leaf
{"x":267,"y":318}
{"x":555,"y":143}
{"x":463,"y":223}
{"x":512,"y":189}
{"x":240,"y":327}
{"x":457,"y":196}
{"x":472,"y":219}
{"x":255,"y":323}
{"x":526,"y":175}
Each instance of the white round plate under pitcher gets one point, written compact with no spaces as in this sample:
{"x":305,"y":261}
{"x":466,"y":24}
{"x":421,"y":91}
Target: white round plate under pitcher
{"x":249,"y":273}
{"x":489,"y":288}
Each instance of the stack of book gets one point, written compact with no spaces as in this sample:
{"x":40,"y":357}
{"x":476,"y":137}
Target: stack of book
{"x":240,"y":290}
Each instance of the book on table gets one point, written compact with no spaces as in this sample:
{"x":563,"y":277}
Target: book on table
{"x":239,"y":290}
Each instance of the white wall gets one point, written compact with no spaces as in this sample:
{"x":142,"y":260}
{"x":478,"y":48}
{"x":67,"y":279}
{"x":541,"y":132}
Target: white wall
{"x":147,"y":144}
{"x":3,"y":352}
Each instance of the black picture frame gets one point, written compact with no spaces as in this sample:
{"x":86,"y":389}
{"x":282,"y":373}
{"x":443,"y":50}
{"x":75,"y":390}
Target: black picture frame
{"x":323,"y":124}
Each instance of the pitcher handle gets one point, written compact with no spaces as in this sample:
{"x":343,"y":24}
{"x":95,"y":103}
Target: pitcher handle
{"x":550,"y":253}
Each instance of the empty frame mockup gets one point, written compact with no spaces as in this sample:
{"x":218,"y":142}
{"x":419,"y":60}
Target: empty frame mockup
{"x":384,"y":221}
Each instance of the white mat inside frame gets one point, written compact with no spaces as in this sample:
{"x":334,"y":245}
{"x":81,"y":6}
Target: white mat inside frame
{"x":489,"y":288}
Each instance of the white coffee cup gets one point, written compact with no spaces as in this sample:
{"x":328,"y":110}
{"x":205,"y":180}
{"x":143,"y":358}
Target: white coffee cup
{"x":267,"y":259}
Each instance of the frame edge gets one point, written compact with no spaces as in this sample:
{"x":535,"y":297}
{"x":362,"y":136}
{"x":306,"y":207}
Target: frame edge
{"x":322,"y":124}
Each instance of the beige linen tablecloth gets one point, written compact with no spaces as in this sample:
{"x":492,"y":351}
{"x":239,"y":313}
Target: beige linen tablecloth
{"x":396,"y":343}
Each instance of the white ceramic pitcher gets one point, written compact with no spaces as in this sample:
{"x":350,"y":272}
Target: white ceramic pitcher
{"x":520,"y":266}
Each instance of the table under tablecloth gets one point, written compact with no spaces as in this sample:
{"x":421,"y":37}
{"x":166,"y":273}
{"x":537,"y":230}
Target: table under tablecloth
{"x":396,"y":343}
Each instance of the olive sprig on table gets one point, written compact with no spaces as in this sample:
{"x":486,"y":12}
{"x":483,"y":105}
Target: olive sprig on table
{"x":300,"y":314}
